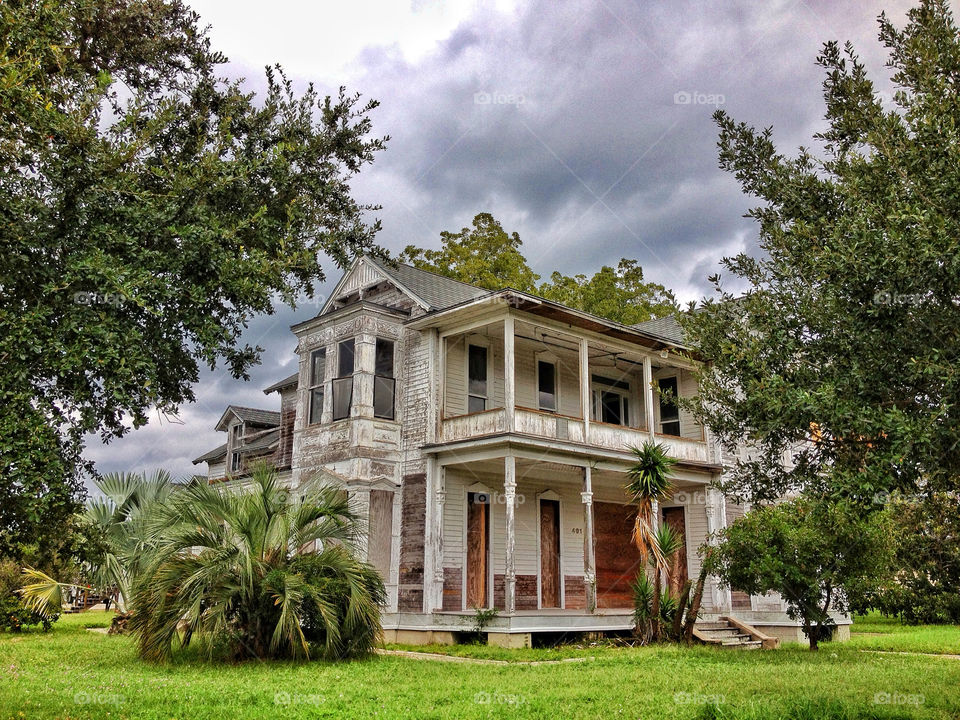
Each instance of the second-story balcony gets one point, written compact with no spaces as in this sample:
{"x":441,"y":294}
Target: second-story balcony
{"x":515,"y":373}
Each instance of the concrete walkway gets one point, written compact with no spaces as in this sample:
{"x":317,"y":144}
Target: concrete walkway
{"x":412,"y":655}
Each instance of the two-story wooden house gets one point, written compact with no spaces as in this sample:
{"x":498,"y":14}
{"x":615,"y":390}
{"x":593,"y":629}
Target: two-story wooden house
{"x":486,"y":437}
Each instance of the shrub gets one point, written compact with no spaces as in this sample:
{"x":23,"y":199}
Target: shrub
{"x":14,"y":614}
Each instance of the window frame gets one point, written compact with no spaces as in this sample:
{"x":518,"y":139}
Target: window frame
{"x":378,"y":377}
{"x":600,"y":384}
{"x":548,"y":359}
{"x":316,"y":387}
{"x":338,"y":379}
{"x":474,"y":343}
{"x":660,"y":404}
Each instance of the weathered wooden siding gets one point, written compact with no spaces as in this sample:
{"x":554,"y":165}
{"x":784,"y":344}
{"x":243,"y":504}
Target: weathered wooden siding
{"x":410,"y":587}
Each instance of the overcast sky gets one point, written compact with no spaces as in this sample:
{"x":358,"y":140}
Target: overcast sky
{"x":585,"y":126}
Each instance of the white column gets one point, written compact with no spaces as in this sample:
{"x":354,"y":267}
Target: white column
{"x":585,"y":387}
{"x":716,"y":521}
{"x":648,"y":394}
{"x":510,"y":496}
{"x":441,"y":496}
{"x":509,"y":372}
{"x":364,"y":361}
{"x":589,"y":557}
{"x":429,"y":535}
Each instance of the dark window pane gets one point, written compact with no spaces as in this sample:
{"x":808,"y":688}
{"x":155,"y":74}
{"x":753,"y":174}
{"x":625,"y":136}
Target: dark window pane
{"x":345,"y":358}
{"x":625,"y":420}
{"x":383,"y":397}
{"x":476,"y":404}
{"x":384,"y":363}
{"x":342,"y":397}
{"x":316,"y":405}
{"x":671,"y":428}
{"x":477,"y":370}
{"x":318,"y":362}
{"x":610,"y":408}
{"x":547,"y":382}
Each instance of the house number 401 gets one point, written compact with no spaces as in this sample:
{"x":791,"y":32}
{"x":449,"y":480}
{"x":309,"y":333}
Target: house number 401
{"x":577,"y":531}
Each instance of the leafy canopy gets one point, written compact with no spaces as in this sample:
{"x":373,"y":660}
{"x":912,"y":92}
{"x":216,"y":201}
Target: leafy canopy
{"x":845,"y":350}
{"x":151,"y":208}
{"x":487,"y":256}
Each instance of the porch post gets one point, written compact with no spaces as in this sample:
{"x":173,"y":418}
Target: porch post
{"x":433,"y":549}
{"x":441,"y":495}
{"x":585,"y":387}
{"x":509,"y":371}
{"x":648,"y":394}
{"x":716,"y":520}
{"x":509,"y":571}
{"x":589,"y":557}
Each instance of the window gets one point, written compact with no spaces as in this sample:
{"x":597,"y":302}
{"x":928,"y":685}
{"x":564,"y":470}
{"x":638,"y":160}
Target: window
{"x":318,"y":365}
{"x":235,"y":441}
{"x":669,"y":412}
{"x":343,"y":384}
{"x":384,"y":384}
{"x":547,"y":385}
{"x":611,"y":401}
{"x":477,"y":378}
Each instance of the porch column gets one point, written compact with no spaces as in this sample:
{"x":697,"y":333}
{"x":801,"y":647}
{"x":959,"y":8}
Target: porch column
{"x":510,"y":497}
{"x":648,"y":394}
{"x":585,"y":387}
{"x":589,"y":557}
{"x":440,"y":494}
{"x":433,"y":548}
{"x":716,"y":520}
{"x":509,"y":372}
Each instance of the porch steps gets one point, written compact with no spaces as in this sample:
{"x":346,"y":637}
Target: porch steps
{"x":732,"y":634}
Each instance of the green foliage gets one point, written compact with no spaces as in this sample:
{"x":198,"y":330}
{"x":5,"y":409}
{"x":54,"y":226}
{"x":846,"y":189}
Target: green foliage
{"x":482,"y":618}
{"x":619,"y":293}
{"x":926,"y":587}
{"x":844,"y":350}
{"x":483,"y":255}
{"x":487,"y":256}
{"x":15,"y":614}
{"x":151,"y":209}
{"x":225,"y":566}
{"x":648,"y":483}
{"x":819,"y":556}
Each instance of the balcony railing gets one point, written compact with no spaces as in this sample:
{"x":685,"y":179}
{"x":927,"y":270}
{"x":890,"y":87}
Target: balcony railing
{"x":550,"y":426}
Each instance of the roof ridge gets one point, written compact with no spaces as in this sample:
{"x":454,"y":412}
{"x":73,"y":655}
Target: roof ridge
{"x":435,"y":274}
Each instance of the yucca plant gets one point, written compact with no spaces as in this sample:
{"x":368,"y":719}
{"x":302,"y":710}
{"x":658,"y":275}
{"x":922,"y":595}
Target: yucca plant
{"x":228,"y":567}
{"x":668,"y":541}
{"x":649,"y":483}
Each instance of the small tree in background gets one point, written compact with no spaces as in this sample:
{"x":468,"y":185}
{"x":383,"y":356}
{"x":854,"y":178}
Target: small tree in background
{"x":820,"y":557}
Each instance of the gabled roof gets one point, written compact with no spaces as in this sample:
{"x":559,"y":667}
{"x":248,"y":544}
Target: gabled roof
{"x":264,"y":442}
{"x":436,"y":291}
{"x":215,"y":454}
{"x":255,"y":416}
{"x":666,"y":328}
{"x":285,"y":383}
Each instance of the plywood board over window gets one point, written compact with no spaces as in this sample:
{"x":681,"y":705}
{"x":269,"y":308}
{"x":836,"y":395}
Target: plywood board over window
{"x":618,"y":559}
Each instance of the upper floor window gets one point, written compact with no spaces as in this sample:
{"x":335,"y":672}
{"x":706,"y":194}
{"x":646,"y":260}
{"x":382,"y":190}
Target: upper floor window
{"x":547,"y":385}
{"x":343,"y":383}
{"x":476,"y":378}
{"x":384,"y":384}
{"x":611,"y":401}
{"x":318,"y":366}
{"x":235,"y":441}
{"x":669,"y":412}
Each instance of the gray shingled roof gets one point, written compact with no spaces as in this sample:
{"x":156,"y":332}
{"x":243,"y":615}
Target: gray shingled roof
{"x":286,"y":382}
{"x":257,"y":416}
{"x":665,"y":328}
{"x":437,"y":291}
{"x":212,"y":455}
{"x":264,"y":442}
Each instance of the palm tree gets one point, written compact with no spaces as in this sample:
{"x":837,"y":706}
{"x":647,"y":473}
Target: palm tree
{"x":229,"y":567}
{"x":122,"y":517}
{"x":649,"y":483}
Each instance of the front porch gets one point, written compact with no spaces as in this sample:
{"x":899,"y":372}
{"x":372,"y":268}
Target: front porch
{"x":544,"y":538}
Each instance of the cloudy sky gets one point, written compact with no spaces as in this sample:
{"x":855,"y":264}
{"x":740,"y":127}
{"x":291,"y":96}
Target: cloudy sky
{"x":584,"y":125}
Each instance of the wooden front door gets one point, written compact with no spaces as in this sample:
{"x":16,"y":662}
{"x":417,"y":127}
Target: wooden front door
{"x":618,"y":560}
{"x":478,"y":550}
{"x":677,"y":564}
{"x":549,"y":553}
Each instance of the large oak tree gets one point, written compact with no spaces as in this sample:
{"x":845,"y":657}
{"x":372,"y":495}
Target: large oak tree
{"x":150,"y":207}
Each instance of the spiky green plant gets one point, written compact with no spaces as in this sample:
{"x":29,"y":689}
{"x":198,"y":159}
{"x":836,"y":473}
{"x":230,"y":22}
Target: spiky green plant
{"x":225,"y":568}
{"x":649,"y":483}
{"x":668,"y":541}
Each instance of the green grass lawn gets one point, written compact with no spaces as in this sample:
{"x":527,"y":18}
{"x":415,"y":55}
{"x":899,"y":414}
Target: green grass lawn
{"x":875,"y":632}
{"x":74,"y":673}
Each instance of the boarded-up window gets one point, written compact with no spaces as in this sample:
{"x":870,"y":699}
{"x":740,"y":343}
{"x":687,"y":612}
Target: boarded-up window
{"x":618,"y":560}
{"x":380,"y":521}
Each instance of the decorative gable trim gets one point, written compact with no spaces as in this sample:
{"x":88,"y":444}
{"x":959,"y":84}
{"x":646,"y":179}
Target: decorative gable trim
{"x":363,"y":274}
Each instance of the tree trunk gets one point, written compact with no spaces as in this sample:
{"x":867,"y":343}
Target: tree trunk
{"x":695,"y":605}
{"x":677,"y":630}
{"x":655,"y":606}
